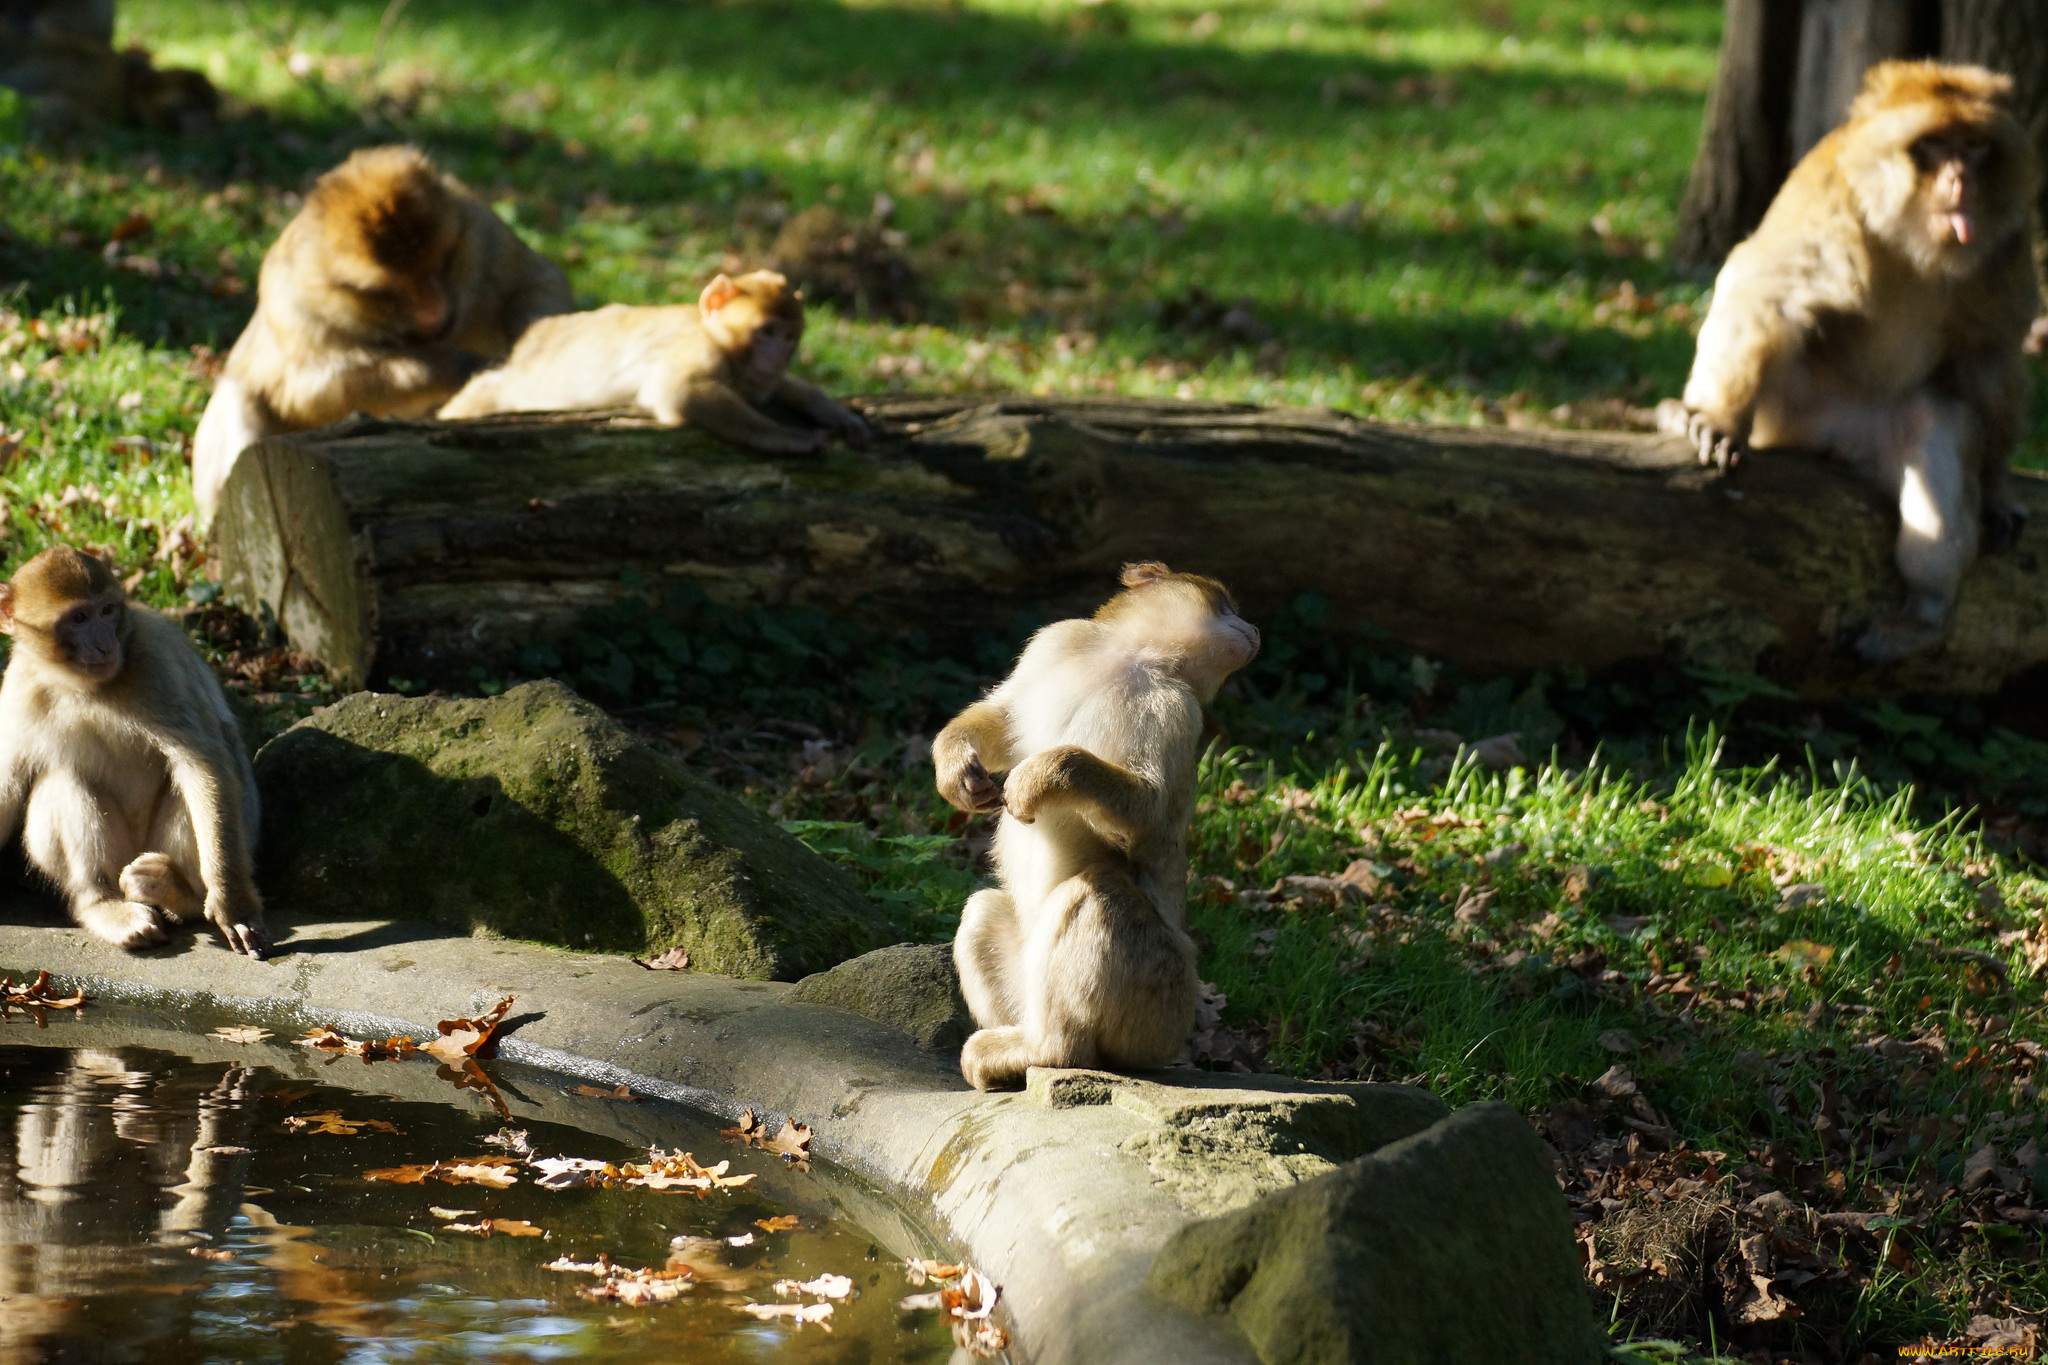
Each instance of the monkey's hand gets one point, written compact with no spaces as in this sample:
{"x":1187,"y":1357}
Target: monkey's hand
{"x":1032,"y":781}
{"x":970,"y":788}
{"x":1713,"y":446}
{"x":240,"y":921}
{"x":849,"y":427}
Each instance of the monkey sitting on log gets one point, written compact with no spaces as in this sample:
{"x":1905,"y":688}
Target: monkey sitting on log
{"x":392,"y":286}
{"x":1081,"y":957}
{"x":1877,"y":314}
{"x":710,"y":365}
{"x":120,"y":762}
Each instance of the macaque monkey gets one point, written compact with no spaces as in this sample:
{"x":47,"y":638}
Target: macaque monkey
{"x":1081,"y":957}
{"x":391,"y":287}
{"x":1877,"y":314}
{"x":707,"y":365}
{"x":120,"y":762}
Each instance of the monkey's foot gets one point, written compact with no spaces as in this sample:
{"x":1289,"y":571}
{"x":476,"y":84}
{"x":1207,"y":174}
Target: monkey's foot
{"x":1712,"y":445}
{"x":152,"y":879}
{"x":2002,"y":528}
{"x":1898,"y":635}
{"x":244,"y":932}
{"x":125,"y":924}
{"x":995,"y":1057}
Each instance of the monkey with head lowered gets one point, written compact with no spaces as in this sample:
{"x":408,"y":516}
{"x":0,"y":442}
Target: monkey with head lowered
{"x":391,"y":287}
{"x":1081,"y":957}
{"x":120,"y":762}
{"x":1877,"y":313}
{"x":711,"y":364}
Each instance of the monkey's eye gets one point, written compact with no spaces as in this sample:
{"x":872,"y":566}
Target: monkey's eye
{"x":110,"y":609}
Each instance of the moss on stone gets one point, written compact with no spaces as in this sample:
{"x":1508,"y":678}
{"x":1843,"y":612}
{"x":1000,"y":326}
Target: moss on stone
{"x":534,"y":815}
{"x":910,"y":986}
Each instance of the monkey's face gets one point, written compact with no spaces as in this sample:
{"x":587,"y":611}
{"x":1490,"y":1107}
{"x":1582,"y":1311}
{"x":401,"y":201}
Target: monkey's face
{"x":1952,"y":169}
{"x":1187,"y":618}
{"x":391,"y":258}
{"x":757,"y":320}
{"x":88,"y":636}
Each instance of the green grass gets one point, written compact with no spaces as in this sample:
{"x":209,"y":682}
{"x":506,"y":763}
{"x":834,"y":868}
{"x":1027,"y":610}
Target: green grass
{"x":1443,"y":211}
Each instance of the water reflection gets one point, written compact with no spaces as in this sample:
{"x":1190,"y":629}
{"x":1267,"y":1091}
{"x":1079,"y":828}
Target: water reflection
{"x":157,"y":1211}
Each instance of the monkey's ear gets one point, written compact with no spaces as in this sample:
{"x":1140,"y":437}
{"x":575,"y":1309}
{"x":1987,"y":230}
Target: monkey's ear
{"x":6,"y":608}
{"x":1138,"y":575}
{"x":718,"y":293}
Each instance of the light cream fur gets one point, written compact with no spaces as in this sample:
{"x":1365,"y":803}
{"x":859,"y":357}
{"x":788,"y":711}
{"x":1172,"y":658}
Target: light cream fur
{"x":134,"y":795}
{"x":1080,"y":956}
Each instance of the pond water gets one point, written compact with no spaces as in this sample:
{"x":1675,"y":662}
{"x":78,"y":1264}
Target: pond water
{"x":157,"y":1206}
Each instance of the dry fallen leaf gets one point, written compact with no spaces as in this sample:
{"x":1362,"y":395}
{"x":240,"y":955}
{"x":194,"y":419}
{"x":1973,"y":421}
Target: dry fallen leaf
{"x":478,"y":1037}
{"x":969,"y":1304}
{"x":213,"y":1253}
{"x":799,"y":1313}
{"x":918,"y":1271}
{"x":38,"y":992}
{"x":679,"y":1170}
{"x":467,"y":1075}
{"x":824,"y":1287}
{"x":751,"y":1130}
{"x":744,"y":1239}
{"x":793,"y":1143}
{"x":494,"y":1171}
{"x":781,"y":1222}
{"x":370,"y":1050}
{"x":240,"y":1033}
{"x":597,"y":1092}
{"x":674,"y":960}
{"x":442,"y":1213}
{"x":622,"y":1285}
{"x":503,"y":1227}
{"x":1799,"y":954}
{"x":333,"y":1123}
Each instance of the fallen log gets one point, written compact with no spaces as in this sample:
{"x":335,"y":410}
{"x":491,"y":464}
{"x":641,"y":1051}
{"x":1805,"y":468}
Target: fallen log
{"x":421,"y":550}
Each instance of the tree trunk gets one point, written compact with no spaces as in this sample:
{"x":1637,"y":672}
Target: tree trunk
{"x":421,"y":550}
{"x":1788,"y":70}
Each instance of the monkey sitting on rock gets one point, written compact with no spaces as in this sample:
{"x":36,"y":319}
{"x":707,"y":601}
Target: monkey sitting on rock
{"x":1081,"y":957}
{"x":712,"y":364}
{"x":1878,"y":313}
{"x":120,"y":763}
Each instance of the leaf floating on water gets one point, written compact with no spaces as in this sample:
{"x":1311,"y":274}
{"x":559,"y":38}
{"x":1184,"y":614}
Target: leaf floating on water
{"x":918,"y":1271}
{"x":37,"y":994}
{"x":213,"y":1253}
{"x":467,"y":1075}
{"x":225,"y":1150}
{"x":464,"y":1038}
{"x":799,"y":1313}
{"x":331,"y":1122}
{"x":674,"y":960}
{"x":792,"y":1143}
{"x":679,"y":1170}
{"x":597,"y":1092}
{"x":969,"y":1304}
{"x":370,"y":1050}
{"x":623,"y":1285}
{"x":493,"y":1171}
{"x":442,"y":1213}
{"x":745,"y":1239}
{"x":824,"y":1287}
{"x":240,"y":1033}
{"x":781,"y":1222}
{"x":751,"y":1130}
{"x":569,"y":1172}
{"x":503,"y":1227}
{"x":512,"y":1140}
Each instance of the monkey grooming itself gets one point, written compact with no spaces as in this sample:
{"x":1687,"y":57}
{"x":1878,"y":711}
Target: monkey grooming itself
{"x":1081,"y":957}
{"x":1877,"y":313}
{"x":120,"y":762}
{"x":391,"y":287}
{"x":708,"y":365}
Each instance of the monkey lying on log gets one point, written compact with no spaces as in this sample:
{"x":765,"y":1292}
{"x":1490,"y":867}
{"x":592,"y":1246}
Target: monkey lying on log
{"x":713,"y":364}
{"x":1081,"y":956}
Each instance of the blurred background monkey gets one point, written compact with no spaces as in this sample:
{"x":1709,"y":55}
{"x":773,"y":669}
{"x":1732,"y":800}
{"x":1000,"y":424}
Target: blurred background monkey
{"x":391,"y":287}
{"x":120,"y":763}
{"x":1081,"y":957}
{"x":61,"y":55}
{"x":712,"y":365}
{"x":1878,"y":313}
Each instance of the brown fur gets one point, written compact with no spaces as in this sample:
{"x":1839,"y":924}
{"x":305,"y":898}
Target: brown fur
{"x":711,"y":365}
{"x":61,"y":55}
{"x":1878,"y":313}
{"x":391,"y":287}
{"x":120,"y":763}
{"x":1081,"y":956}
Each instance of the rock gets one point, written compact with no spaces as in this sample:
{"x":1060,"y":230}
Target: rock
{"x":912,"y":986}
{"x":1451,"y":1244}
{"x":533,"y":815}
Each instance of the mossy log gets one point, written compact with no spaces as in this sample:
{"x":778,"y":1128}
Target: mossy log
{"x":421,"y":550}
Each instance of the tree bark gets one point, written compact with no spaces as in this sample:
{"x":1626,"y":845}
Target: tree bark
{"x":1788,"y":69}
{"x":420,"y":550}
